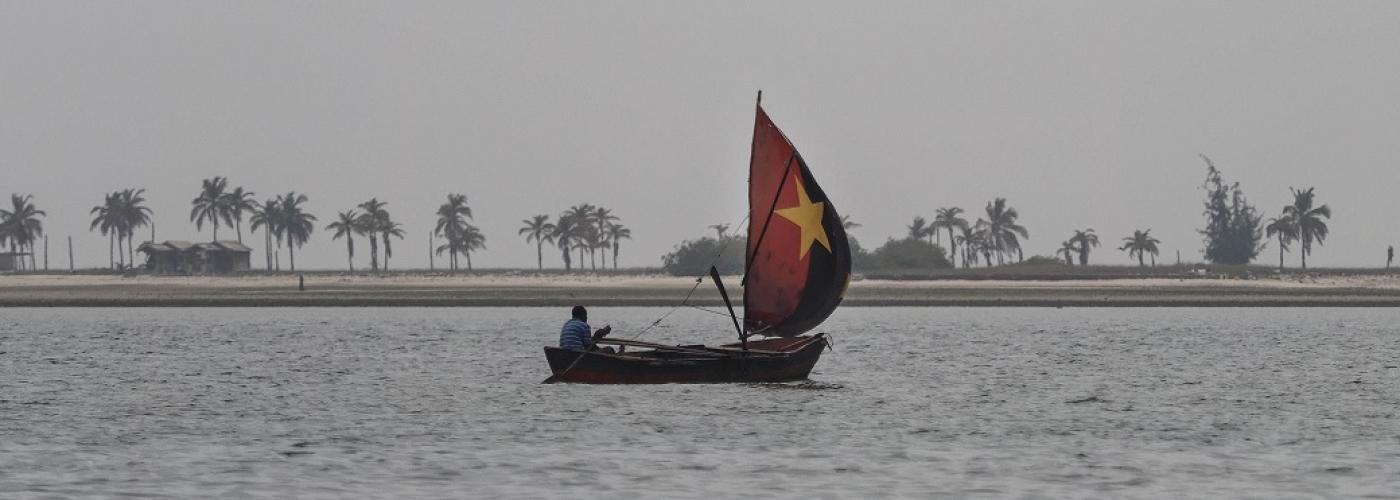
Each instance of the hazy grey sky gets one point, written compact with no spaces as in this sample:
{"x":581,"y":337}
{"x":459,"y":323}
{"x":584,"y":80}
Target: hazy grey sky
{"x":1082,"y":114}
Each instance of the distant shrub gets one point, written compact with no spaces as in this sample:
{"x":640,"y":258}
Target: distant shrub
{"x":908,"y":253}
{"x":693,"y":257}
{"x":1041,"y":260}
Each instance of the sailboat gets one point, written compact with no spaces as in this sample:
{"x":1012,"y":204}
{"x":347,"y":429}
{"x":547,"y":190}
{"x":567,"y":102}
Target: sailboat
{"x":797,"y":266}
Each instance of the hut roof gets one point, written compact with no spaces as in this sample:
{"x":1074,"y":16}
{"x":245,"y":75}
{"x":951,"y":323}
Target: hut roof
{"x":178,"y":244}
{"x":232,"y":246}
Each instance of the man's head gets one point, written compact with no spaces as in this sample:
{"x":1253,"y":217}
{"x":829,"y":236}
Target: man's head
{"x":580,"y":313}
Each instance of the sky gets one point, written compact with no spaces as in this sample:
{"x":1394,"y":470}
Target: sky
{"x":1083,"y":114}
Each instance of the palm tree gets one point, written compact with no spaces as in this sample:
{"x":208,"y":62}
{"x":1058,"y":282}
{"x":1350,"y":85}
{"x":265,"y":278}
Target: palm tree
{"x":918,"y":229}
{"x":235,"y":203}
{"x":451,"y":225}
{"x":104,"y":220}
{"x":472,"y":239}
{"x":721,"y":230}
{"x":1139,"y":243}
{"x":601,"y":218}
{"x":211,"y":205}
{"x":296,"y":224}
{"x":565,"y":232}
{"x":1003,"y":233}
{"x":539,"y":230}
{"x":1068,"y":249}
{"x":1307,"y":220}
{"x":268,"y":216}
{"x":371,"y":224}
{"x":582,"y":215}
{"x":1286,"y":230}
{"x":617,"y":232}
{"x":388,"y":231}
{"x":848,"y":224}
{"x":21,"y":224}
{"x":948,"y":218}
{"x":347,"y":224}
{"x":1085,"y":239}
{"x":967,"y":239}
{"x":132,"y":213}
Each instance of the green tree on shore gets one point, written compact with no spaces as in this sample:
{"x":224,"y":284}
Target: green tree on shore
{"x":347,"y":224}
{"x":617,"y":233}
{"x":1084,"y":239}
{"x":211,"y":205}
{"x":268,"y":217}
{"x":1141,"y":243}
{"x":1068,"y":249}
{"x":539,"y":230}
{"x":1307,"y":220}
{"x":1233,"y":234}
{"x":949,"y":218}
{"x":20,"y":225}
{"x":296,"y":224}
{"x":235,"y":203}
{"x":1286,"y":231}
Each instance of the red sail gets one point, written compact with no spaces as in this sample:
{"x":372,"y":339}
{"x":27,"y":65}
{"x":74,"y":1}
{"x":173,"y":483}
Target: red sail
{"x":798,"y":260}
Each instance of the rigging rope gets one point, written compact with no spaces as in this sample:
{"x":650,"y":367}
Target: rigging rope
{"x":698,"y":281}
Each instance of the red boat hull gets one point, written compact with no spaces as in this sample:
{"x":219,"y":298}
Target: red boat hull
{"x":770,"y":360}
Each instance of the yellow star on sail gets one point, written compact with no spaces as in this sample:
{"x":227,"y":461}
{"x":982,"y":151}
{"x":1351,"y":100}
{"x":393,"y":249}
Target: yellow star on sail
{"x":808,"y":217}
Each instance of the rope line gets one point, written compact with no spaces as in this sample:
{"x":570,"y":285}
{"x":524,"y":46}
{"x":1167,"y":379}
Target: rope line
{"x":698,"y":281}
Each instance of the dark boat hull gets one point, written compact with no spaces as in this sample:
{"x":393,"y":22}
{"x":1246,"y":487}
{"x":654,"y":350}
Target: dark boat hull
{"x":771,"y":360}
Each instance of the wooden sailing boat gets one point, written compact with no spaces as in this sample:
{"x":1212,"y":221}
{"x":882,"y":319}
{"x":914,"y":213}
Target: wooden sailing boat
{"x":797,"y":266}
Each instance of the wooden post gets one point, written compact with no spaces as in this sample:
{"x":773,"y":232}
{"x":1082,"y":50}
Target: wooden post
{"x":301,"y":283}
{"x":70,"y":254}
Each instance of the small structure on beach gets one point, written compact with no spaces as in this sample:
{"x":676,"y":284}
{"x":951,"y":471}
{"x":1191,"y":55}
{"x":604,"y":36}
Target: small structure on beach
{"x":12,"y":261}
{"x":183,"y":257}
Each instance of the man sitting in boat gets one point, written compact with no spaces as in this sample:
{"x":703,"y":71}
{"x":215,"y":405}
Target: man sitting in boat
{"x":578,"y":336}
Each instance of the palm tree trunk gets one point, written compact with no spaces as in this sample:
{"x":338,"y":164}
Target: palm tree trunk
{"x":1280,"y":252}
{"x":469,"y":260}
{"x":350,"y":251}
{"x":615,"y":248}
{"x":539,"y":254}
{"x":952,"y":249}
{"x":111,"y":252}
{"x":292,"y":256}
{"x":240,"y":230}
{"x":1306,"y":246}
{"x":1140,"y":263}
{"x":373,"y":252}
{"x":216,"y":229}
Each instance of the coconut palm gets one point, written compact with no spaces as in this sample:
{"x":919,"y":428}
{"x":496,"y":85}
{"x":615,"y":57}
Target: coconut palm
{"x":237,"y":202}
{"x":21,"y":225}
{"x":582,"y":215}
{"x":918,"y":229}
{"x":347,"y":224}
{"x":848,"y":224}
{"x":268,"y":217}
{"x":1002,"y":232}
{"x":211,"y":205}
{"x":1068,"y":249}
{"x":721,"y":230}
{"x":1286,"y":230}
{"x":1141,"y":243}
{"x":539,"y":230}
{"x":601,"y":218}
{"x":967,"y":239}
{"x":132,"y":214}
{"x":472,"y":240}
{"x":1085,"y":239}
{"x":949,"y":218}
{"x":616,"y":232}
{"x":105,"y":220}
{"x":371,"y":223}
{"x":1307,"y":220}
{"x":566,"y":231}
{"x":451,"y":225}
{"x":296,"y":224}
{"x":388,"y":231}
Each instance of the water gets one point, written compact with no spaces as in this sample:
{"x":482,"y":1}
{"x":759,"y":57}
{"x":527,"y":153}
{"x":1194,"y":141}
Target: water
{"x":927,"y":403}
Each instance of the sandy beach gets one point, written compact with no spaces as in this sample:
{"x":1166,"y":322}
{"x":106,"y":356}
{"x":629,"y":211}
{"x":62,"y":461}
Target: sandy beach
{"x":506,"y":289}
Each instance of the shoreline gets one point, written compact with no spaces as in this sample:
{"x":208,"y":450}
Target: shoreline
{"x":667,"y":291}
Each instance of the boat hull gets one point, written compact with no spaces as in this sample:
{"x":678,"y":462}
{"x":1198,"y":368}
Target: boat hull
{"x":771,"y":360}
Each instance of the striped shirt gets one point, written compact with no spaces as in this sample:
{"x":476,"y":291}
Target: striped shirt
{"x":576,"y":335}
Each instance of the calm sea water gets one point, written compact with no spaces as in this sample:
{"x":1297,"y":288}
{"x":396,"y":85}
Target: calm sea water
{"x":928,"y":403}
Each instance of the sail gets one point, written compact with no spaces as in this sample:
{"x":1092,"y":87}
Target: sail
{"x":798,"y":261}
